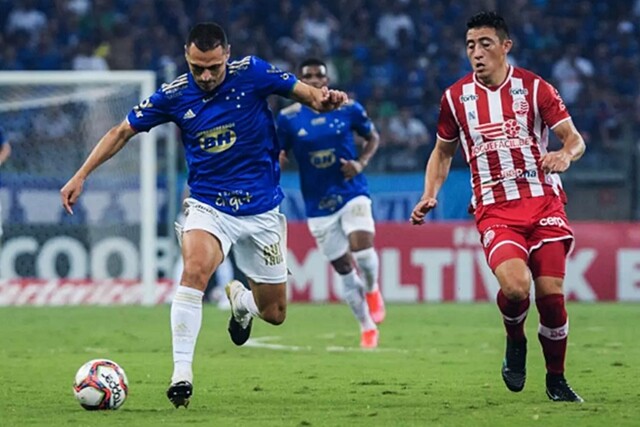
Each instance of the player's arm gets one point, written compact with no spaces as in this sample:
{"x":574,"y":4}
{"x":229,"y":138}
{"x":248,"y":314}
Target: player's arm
{"x":322,"y":100}
{"x":112,"y":142}
{"x":351,"y":168}
{"x":573,"y":148}
{"x":5,"y":152}
{"x":436,"y":173}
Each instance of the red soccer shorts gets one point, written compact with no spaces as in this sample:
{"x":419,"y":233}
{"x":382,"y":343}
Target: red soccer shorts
{"x":516,"y":228}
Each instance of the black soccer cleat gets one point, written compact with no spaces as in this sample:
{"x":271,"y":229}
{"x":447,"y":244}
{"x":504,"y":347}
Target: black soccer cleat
{"x":238,"y":334}
{"x":514,"y":370}
{"x":559,"y":390}
{"x":180,"y":393}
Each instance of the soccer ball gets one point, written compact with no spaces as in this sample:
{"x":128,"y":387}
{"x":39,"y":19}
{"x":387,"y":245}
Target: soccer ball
{"x":101,"y":384}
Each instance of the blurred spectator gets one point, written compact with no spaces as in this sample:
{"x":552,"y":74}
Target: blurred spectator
{"x":385,"y":53}
{"x":571,"y":73}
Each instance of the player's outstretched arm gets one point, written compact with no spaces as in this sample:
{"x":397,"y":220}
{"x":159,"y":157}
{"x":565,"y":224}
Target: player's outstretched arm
{"x":322,"y":100}
{"x":573,"y":148}
{"x":107,"y":147}
{"x":436,"y":173}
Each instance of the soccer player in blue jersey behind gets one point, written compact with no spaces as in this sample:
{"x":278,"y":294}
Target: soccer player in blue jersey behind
{"x":335,"y":192}
{"x":232,"y":151}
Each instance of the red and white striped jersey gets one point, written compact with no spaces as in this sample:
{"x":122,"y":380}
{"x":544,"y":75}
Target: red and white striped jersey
{"x":504,"y":131}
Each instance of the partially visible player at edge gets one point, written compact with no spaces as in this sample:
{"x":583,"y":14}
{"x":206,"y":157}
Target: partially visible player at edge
{"x":5,"y":152}
{"x":334,"y":189}
{"x":231,"y":148}
{"x":501,"y":116}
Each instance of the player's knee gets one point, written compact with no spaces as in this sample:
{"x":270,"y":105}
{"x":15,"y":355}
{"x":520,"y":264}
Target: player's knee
{"x":196,"y":272}
{"x":515,"y":284}
{"x":274,"y":314}
{"x":516,"y":288}
{"x":343,"y":265}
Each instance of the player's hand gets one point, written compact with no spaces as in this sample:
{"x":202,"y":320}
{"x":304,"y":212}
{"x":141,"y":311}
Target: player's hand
{"x":555,"y":162}
{"x":421,"y":209}
{"x":70,"y":192}
{"x":283,"y":158}
{"x":350,"y":168}
{"x":332,"y":99}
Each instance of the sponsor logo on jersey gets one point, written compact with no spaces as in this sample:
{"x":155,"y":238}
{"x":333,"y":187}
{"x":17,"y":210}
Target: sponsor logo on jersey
{"x":138,"y":108}
{"x":518,"y":173}
{"x":218,"y":139}
{"x":272,"y":254}
{"x":501,"y":144}
{"x":330,"y":203}
{"x":189,"y":114}
{"x":468,"y":98}
{"x":322,"y":159}
{"x":520,"y":91}
{"x":303,"y":132}
{"x":234,"y":199}
{"x":509,"y":129}
{"x":552,"y":221}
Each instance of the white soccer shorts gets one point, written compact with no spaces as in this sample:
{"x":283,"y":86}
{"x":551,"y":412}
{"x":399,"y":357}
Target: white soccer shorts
{"x":259,"y":242}
{"x":331,"y":232}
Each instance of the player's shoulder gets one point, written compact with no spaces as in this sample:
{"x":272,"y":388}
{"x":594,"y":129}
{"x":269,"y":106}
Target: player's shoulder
{"x":240,"y":65}
{"x":291,"y":111}
{"x":175,"y":88}
{"x":526,"y":75}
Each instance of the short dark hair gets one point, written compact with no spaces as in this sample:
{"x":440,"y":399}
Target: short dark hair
{"x":311,"y":62}
{"x":491,"y":20}
{"x":207,"y":36}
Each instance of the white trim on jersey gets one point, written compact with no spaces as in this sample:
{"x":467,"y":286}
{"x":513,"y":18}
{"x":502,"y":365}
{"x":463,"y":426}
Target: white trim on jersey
{"x":535,"y":185}
{"x":482,"y":164}
{"x":496,"y":115}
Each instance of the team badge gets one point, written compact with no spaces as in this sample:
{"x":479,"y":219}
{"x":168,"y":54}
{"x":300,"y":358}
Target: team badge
{"x":488,"y":237}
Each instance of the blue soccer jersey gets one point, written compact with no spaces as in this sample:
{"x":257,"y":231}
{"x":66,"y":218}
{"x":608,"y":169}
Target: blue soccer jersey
{"x":318,"y":142}
{"x":228,"y":134}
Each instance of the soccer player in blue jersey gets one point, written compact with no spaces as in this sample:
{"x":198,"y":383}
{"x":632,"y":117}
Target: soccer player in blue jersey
{"x":232,"y":151}
{"x":335,"y":192}
{"x":5,"y":152}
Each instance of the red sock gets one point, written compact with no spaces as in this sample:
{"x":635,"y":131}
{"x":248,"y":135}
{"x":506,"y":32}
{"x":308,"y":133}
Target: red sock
{"x":553,"y":331}
{"x":514,"y":313}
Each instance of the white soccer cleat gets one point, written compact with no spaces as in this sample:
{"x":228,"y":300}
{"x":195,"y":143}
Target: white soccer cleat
{"x":234,"y":290}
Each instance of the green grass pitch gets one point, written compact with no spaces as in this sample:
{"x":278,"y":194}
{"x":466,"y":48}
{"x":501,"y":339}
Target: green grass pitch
{"x":437,"y":365}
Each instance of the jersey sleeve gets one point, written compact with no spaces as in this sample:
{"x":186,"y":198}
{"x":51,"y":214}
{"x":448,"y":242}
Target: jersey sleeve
{"x":551,"y":105}
{"x":150,"y":113}
{"x":448,"y":129}
{"x":284,"y":134}
{"x":269,"y":79}
{"x":360,"y":121}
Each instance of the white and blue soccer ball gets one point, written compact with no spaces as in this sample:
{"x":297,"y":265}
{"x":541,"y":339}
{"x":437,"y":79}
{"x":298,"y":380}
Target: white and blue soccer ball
{"x":101,"y":384}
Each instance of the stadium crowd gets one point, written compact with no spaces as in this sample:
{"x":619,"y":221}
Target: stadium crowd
{"x":394,"y":56}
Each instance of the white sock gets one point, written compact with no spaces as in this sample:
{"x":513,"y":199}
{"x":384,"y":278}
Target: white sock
{"x":186,"y":319}
{"x":369,"y":264}
{"x":354,"y":295}
{"x":248,"y":304}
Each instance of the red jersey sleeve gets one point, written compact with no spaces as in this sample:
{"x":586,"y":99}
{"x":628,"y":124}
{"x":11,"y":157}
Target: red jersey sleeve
{"x":551,"y":105}
{"x":448,"y":129}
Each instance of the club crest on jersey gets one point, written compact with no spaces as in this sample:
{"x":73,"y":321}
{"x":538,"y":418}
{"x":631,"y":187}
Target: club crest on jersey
{"x":520,"y":107}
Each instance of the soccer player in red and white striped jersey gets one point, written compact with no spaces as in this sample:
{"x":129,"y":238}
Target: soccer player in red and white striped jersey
{"x":501,"y":116}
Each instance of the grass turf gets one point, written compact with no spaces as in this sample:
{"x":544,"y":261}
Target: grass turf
{"x":437,"y":365}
